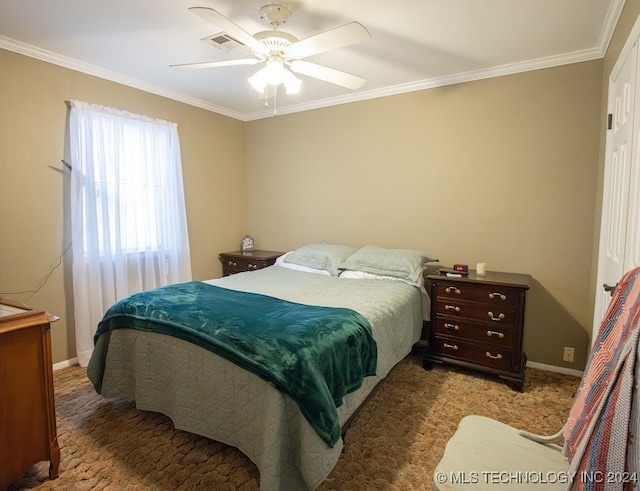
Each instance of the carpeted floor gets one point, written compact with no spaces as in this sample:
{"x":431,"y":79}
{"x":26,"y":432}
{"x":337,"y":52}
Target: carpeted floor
{"x":394,"y":444}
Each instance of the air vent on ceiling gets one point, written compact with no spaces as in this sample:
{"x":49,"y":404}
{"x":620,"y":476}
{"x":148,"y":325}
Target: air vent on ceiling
{"x":223,"y":42}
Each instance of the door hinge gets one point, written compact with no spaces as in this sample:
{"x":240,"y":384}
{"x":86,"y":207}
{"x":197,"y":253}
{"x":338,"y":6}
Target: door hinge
{"x":609,"y":121}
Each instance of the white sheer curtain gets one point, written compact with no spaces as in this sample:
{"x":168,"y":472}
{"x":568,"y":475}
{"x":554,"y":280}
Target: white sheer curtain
{"x":128,"y":216}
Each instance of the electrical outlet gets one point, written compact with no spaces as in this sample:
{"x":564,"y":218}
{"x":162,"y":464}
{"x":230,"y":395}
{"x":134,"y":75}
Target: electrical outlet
{"x":568,"y":354}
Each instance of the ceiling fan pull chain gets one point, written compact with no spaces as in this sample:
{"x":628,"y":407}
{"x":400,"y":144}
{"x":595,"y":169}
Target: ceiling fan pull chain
{"x":275,"y":102}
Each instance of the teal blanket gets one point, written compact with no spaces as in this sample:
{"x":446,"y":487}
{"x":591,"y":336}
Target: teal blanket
{"x":315,"y":354}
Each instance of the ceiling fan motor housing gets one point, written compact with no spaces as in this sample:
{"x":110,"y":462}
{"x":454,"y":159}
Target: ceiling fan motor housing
{"x":276,"y":41}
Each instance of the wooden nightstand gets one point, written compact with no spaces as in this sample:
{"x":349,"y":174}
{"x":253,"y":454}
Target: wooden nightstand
{"x":478,"y":321}
{"x":239,"y":262}
{"x":27,"y":408}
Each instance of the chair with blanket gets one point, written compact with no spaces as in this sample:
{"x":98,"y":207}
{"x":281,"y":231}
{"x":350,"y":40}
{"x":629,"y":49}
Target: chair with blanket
{"x":600,"y":450}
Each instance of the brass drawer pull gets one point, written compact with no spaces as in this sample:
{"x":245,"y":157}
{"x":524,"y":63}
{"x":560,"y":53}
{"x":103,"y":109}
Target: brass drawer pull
{"x":493,"y":318}
{"x":253,"y":266}
{"x":455,"y":327}
{"x":452,"y":346}
{"x":452,"y":307}
{"x":497,"y":295}
{"x":453,"y":289}
{"x":232,"y":263}
{"x":494,"y":357}
{"x":495,"y":333}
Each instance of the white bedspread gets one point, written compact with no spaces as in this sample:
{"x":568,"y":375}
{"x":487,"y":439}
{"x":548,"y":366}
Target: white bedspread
{"x":205,"y":394}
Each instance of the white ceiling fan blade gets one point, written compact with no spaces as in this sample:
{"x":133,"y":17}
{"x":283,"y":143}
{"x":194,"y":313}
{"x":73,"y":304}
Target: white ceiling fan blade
{"x":325,"y":41}
{"x":215,"y":64}
{"x":327,"y":74}
{"x":232,"y":29}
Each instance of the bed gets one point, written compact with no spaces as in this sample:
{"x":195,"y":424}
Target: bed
{"x":207,"y":394}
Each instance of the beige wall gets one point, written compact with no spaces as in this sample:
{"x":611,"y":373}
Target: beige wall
{"x":33,"y":186}
{"x":501,"y":170}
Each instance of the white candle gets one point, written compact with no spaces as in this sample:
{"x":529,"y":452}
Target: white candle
{"x":481,"y":269}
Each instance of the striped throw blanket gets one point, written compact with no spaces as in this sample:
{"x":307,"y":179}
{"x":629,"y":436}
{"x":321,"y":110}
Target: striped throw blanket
{"x":600,"y":434}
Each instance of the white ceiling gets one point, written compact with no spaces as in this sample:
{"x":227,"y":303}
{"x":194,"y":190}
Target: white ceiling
{"x":415,"y":44}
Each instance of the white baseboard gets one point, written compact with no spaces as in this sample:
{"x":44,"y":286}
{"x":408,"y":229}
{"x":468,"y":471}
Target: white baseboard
{"x":65,"y":363}
{"x":553,"y":368}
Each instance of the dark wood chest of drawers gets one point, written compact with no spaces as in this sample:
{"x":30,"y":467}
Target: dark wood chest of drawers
{"x":239,"y":262}
{"x":478,"y":322}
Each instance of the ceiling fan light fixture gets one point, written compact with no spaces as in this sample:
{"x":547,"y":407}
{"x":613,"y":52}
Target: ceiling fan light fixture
{"x":291,"y":83}
{"x":275,"y":74}
{"x":258,"y":81}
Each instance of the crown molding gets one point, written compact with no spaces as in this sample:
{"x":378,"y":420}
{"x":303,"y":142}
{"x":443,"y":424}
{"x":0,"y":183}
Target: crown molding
{"x":615,"y":9}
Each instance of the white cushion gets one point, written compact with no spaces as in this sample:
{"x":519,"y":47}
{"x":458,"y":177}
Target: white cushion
{"x":485,"y":454}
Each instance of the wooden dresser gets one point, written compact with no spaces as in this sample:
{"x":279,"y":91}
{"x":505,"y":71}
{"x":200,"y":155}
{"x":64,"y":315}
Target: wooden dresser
{"x":239,"y":262}
{"x":478,"y":322}
{"x":27,"y":409}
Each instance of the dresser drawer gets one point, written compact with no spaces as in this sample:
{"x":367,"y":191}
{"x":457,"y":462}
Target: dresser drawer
{"x":500,"y":296}
{"x":476,"y":311}
{"x":486,"y":355}
{"x":496,"y":335}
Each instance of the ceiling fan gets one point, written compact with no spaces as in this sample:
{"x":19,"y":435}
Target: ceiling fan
{"x":279,"y":50}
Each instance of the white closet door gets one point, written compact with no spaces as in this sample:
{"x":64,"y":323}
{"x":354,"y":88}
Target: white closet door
{"x":620,"y":176}
{"x":632,"y":242}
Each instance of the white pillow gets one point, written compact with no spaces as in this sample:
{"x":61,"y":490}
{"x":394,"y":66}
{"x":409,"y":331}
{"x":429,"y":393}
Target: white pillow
{"x":281,"y":262}
{"x":406,"y":264}
{"x":373,"y":276}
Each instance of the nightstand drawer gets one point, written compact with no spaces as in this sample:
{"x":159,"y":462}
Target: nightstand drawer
{"x":499,"y":296}
{"x":239,"y":265}
{"x":476,"y":311}
{"x":240,"y":262}
{"x":485,"y":355}
{"x":456,"y":328}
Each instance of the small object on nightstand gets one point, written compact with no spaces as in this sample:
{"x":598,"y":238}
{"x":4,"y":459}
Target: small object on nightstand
{"x":453,"y":272}
{"x":247,"y":244}
{"x":481,"y":269}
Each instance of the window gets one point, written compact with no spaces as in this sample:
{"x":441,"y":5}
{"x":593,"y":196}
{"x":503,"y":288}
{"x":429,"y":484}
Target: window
{"x":132,"y":185}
